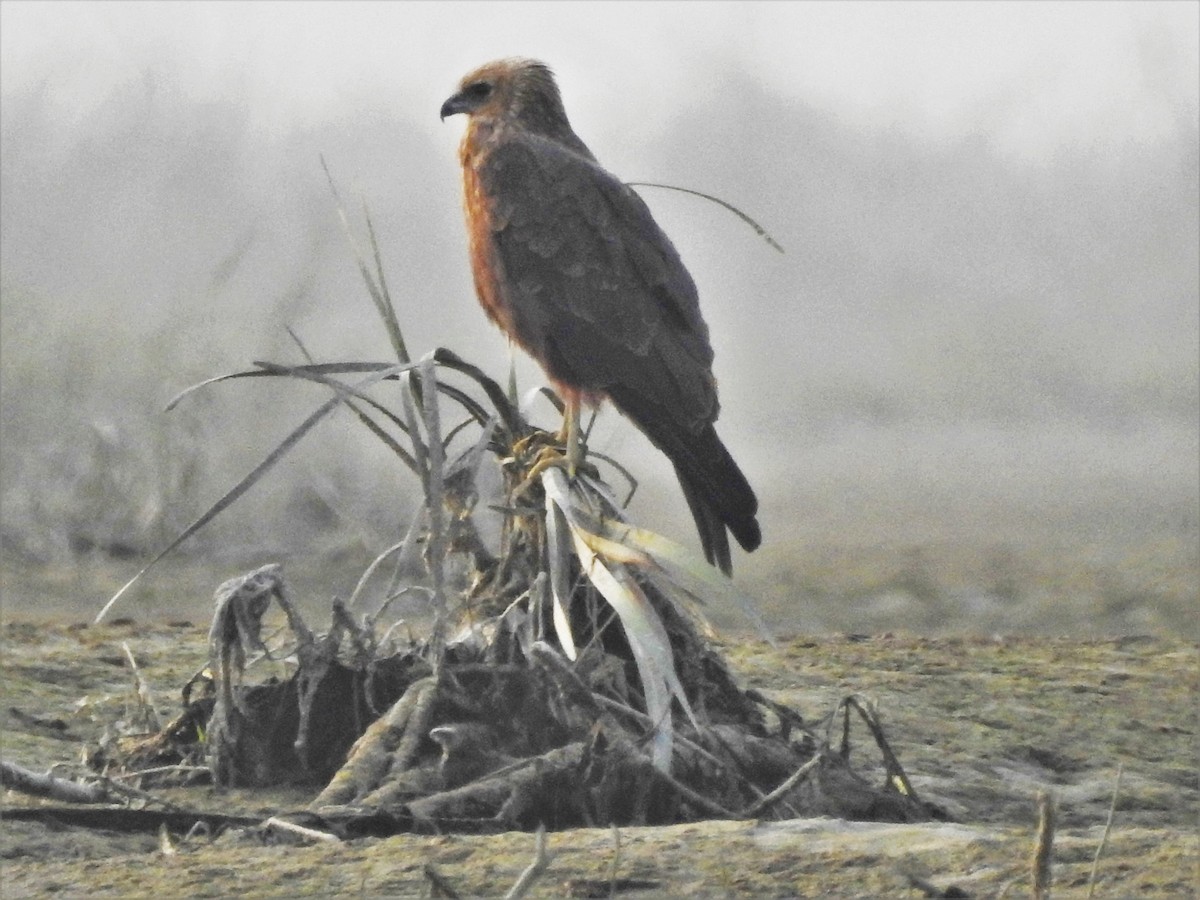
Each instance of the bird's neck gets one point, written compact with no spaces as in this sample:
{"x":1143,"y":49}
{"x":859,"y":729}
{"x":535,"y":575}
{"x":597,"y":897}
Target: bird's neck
{"x":481,"y":135}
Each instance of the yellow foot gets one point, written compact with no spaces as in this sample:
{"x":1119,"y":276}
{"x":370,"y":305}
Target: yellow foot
{"x":553,"y":457}
{"x":527,"y":444}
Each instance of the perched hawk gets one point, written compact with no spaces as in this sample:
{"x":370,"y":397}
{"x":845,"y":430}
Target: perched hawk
{"x":570,"y":264}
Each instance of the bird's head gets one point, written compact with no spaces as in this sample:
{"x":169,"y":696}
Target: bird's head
{"x":517,"y":90}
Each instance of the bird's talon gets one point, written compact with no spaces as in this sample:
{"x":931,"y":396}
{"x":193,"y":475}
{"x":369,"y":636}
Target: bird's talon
{"x":547,"y":459}
{"x":525,"y":445}
{"x":553,"y":458}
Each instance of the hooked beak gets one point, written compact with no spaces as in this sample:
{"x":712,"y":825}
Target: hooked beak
{"x":453,"y":106}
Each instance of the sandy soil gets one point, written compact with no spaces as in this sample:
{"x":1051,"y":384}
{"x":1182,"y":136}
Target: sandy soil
{"x":981,"y":725}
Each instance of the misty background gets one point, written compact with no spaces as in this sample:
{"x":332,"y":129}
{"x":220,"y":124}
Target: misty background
{"x":967,"y":393}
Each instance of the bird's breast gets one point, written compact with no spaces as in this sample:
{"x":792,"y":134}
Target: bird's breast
{"x":486,"y":266}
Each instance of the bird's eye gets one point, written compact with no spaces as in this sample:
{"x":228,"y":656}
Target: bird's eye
{"x":477,"y":91}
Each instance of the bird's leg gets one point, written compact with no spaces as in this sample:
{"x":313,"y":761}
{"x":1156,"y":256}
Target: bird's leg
{"x":571,"y":457}
{"x":571,"y":439}
{"x":568,"y":437}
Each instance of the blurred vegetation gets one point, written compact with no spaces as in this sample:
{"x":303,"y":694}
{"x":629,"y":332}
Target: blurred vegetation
{"x":961,"y":353}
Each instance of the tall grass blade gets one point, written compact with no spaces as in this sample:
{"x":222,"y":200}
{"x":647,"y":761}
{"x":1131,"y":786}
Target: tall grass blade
{"x":382,"y":305}
{"x":514,"y":425}
{"x":643,"y":627}
{"x":308,"y":357}
{"x":651,"y":655}
{"x":680,"y":569}
{"x":316,"y":374}
{"x":420,"y":451}
{"x":274,"y":370}
{"x":558,"y":553}
{"x":386,"y":308}
{"x":759,"y":230}
{"x":246,"y":483}
{"x":473,"y":407}
{"x":175,"y":401}
{"x":233,"y":494}
{"x":435,"y":503}
{"x":370,"y":570}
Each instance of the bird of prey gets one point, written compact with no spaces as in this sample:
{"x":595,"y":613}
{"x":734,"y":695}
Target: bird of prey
{"x":569,"y":263}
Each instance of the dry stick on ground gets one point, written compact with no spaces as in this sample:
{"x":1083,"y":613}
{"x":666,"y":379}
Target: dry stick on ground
{"x":142,"y":690}
{"x":98,"y":789}
{"x":616,"y":861}
{"x":1043,"y":875}
{"x":18,"y":778}
{"x":113,"y":785}
{"x":161,"y":770}
{"x":165,"y":845}
{"x":438,"y":885}
{"x":694,"y":797}
{"x":541,"y":862}
{"x":1112,"y":811}
{"x":300,"y":831}
{"x":896,"y":775}
{"x":759,"y":805}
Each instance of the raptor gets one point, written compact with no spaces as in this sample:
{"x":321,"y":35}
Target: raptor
{"x":568,"y":261}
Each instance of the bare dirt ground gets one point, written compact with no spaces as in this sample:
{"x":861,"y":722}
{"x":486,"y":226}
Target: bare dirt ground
{"x":980,"y":724}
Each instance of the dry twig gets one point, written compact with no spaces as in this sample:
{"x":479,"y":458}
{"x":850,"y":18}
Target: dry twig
{"x":1112,"y":811}
{"x":1043,"y":875}
{"x":300,"y":831}
{"x":18,"y":778}
{"x":541,"y":861}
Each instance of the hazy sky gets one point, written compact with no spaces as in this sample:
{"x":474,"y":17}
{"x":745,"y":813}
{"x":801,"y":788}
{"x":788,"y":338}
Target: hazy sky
{"x":989,"y":210}
{"x":1105,"y":73}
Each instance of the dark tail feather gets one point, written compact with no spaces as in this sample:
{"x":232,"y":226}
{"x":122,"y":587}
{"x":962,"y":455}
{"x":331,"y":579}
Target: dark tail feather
{"x":714,"y":539}
{"x":717,"y":492}
{"x":718,"y":495}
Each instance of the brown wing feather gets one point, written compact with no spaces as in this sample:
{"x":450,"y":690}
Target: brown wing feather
{"x":591,"y":285}
{"x":580,"y":275}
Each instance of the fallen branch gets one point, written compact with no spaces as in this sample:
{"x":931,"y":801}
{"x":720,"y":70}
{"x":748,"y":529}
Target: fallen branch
{"x":142,"y":690}
{"x":46,"y":784}
{"x":753,"y":810}
{"x":1042,"y":864}
{"x":438,"y":885}
{"x":300,"y":831}
{"x":1112,"y":812}
{"x":130,"y":821}
{"x":541,"y":861}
